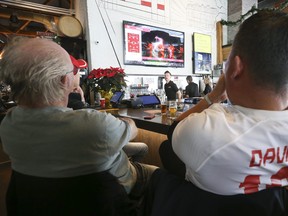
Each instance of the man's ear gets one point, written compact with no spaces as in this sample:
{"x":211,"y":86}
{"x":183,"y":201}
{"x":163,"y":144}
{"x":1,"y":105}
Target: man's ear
{"x":64,"y":79}
{"x":68,"y":82}
{"x":238,"y":67}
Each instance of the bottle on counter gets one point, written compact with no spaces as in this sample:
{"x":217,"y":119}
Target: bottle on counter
{"x":97,"y":98}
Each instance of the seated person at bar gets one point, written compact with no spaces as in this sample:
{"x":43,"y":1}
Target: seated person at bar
{"x":191,"y":89}
{"x":240,"y":147}
{"x":136,"y":151}
{"x":44,"y":138}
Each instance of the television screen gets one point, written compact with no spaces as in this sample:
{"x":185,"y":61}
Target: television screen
{"x":152,"y":46}
{"x":202,"y":53}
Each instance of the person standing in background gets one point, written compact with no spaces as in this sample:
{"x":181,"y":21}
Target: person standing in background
{"x":208,"y":87}
{"x":171,"y":90}
{"x":76,"y":97}
{"x":191,"y":89}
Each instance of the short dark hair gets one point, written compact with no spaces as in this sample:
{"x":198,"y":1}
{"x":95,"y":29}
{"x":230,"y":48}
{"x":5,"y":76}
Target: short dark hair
{"x":189,"y":78}
{"x":262,"y":44}
{"x":168,"y":72}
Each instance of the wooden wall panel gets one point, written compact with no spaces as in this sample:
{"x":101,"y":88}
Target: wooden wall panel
{"x":153,"y":140}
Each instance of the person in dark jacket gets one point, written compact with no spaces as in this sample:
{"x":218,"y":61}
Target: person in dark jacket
{"x":191,"y":89}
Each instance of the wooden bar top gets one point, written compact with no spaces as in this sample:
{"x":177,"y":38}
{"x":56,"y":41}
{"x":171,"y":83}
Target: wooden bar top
{"x":159,"y":124}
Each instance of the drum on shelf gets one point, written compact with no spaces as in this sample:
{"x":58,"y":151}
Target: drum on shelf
{"x":70,"y":26}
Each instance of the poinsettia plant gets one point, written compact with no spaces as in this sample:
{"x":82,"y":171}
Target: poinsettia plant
{"x":107,"y":79}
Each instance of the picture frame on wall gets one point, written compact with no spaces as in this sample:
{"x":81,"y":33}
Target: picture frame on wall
{"x":202,"y":53}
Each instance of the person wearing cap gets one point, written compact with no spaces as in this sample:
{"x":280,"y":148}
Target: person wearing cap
{"x":76,"y":97}
{"x":136,"y":151}
{"x":45,"y":138}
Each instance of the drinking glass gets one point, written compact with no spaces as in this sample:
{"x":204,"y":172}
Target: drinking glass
{"x":163,"y":106}
{"x":172,"y":109}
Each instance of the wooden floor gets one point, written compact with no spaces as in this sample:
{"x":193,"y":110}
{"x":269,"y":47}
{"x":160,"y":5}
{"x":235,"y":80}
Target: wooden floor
{"x":5,"y":172}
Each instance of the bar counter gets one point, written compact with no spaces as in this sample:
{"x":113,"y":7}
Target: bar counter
{"x":151,"y":131}
{"x":159,"y":124}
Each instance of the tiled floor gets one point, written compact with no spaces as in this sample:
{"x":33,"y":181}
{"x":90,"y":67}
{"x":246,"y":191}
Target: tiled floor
{"x":5,"y":172}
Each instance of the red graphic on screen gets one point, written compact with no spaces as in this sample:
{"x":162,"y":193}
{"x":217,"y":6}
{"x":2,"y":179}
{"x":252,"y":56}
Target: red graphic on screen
{"x":133,"y":43}
{"x":171,"y":50}
{"x":149,"y":49}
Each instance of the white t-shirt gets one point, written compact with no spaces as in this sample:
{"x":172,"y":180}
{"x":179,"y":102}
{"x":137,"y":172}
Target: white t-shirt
{"x":234,"y":150}
{"x":61,"y":142}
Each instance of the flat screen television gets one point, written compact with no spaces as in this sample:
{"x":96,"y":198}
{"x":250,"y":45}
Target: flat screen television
{"x":152,"y":46}
{"x":202,"y":53}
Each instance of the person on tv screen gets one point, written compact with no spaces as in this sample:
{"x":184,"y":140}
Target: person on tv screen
{"x":158,"y":47}
{"x":171,"y":50}
{"x":171,"y":89}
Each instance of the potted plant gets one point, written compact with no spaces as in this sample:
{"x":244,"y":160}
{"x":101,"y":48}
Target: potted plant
{"x":106,"y":81}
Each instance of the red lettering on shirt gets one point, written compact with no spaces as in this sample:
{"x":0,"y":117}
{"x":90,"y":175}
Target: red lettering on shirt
{"x":280,"y":175}
{"x":262,"y":158}
{"x":284,"y":153}
{"x":269,"y":156}
{"x":256,"y":156}
{"x":250,"y":184}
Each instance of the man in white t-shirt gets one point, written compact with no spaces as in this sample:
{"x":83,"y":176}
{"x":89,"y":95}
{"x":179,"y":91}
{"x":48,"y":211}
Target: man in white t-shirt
{"x":241,"y":147}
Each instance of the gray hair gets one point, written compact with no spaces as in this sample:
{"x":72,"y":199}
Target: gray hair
{"x":34,"y":68}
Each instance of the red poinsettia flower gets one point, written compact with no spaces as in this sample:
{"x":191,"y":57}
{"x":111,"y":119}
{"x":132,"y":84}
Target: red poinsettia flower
{"x":106,"y":79}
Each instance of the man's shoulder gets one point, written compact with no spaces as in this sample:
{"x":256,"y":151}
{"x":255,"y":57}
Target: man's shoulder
{"x":170,"y":82}
{"x":89,"y":112}
{"x":91,"y":118}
